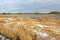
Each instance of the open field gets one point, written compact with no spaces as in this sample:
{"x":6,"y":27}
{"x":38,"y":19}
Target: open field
{"x":29,"y":29}
{"x":29,"y":26}
{"x":31,"y":15}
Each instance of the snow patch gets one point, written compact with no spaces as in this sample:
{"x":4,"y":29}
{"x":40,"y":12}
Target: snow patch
{"x":43,"y":35}
{"x":39,"y":25}
{"x":53,"y":38}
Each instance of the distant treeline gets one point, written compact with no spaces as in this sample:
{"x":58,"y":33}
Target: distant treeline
{"x":34,"y":13}
{"x":54,"y":13}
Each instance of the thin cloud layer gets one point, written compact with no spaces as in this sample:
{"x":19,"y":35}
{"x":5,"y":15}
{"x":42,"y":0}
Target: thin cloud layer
{"x":29,"y":5}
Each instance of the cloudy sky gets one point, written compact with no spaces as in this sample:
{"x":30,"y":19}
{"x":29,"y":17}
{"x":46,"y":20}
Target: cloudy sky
{"x":29,"y":5}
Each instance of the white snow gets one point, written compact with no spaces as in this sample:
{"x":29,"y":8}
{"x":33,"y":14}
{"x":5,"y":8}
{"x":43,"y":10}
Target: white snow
{"x":43,"y":35}
{"x":53,"y":38}
{"x":58,"y":30}
{"x":7,"y":39}
{"x":40,"y":33}
{"x":9,"y":18}
{"x":1,"y":36}
{"x":39,"y":25}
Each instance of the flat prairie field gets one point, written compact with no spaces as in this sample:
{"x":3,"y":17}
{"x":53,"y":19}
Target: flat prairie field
{"x":26,"y":15}
{"x":29,"y":26}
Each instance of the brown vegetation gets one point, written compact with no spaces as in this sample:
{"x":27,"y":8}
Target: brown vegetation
{"x":30,"y":29}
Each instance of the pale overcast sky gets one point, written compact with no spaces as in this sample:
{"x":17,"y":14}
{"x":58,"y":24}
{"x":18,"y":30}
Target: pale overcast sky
{"x":29,"y":5}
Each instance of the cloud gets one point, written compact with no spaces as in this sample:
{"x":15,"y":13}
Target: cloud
{"x":29,"y":5}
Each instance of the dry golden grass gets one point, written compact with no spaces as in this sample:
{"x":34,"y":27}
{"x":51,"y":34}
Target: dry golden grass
{"x":30,"y":29}
{"x":49,"y":21}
